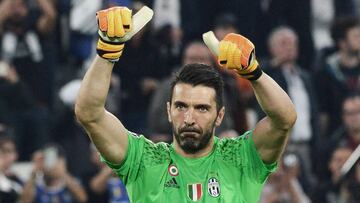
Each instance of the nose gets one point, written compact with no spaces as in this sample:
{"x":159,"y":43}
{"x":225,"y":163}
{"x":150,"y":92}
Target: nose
{"x":189,"y":118}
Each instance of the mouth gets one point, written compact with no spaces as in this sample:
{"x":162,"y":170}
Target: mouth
{"x":189,"y":134}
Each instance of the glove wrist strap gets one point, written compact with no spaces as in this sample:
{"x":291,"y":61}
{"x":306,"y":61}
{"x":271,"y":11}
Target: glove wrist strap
{"x":256,"y":74}
{"x":253,"y":75}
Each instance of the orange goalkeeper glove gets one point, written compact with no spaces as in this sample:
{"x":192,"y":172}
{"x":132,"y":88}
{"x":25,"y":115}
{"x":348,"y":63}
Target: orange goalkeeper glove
{"x":113,"y":24}
{"x":236,"y":52}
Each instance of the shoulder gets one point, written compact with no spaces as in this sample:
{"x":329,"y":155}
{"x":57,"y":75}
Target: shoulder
{"x":233,"y":142}
{"x":155,"y":153}
{"x":229,"y":149}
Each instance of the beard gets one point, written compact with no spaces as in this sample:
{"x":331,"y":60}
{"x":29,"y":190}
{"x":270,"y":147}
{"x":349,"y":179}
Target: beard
{"x":188,"y":140}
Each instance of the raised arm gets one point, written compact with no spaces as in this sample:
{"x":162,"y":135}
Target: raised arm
{"x":104,"y":129}
{"x":270,"y":135}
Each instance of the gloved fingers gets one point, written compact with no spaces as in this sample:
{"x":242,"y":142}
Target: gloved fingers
{"x":118,"y":23}
{"x":245,"y":45}
{"x":126,"y":19}
{"x":102,"y":20}
{"x":233,"y":55}
{"x":248,"y":49}
{"x":223,"y":48}
{"x":114,"y":23}
{"x":111,"y":23}
{"x":237,"y":58}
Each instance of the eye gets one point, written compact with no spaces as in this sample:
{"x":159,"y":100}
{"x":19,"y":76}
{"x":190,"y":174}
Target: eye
{"x":203,"y":109}
{"x":180,"y":107}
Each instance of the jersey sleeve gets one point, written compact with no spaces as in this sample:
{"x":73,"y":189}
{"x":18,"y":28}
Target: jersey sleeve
{"x":141,"y":155}
{"x":129,"y":169}
{"x":254,"y":167}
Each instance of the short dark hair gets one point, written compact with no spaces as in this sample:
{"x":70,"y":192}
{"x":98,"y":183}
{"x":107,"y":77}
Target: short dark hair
{"x":342,"y":25}
{"x":200,"y":74}
{"x":226,"y":20}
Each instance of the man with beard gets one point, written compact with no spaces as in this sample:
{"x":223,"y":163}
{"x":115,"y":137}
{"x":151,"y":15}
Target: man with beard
{"x":197,"y":166}
{"x":340,"y":74}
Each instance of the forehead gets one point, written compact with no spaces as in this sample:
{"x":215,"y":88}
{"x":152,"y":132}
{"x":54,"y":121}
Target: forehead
{"x":194,"y":94}
{"x":353,"y":30}
{"x":7,"y":144}
{"x":282,"y":36}
{"x":352,"y":103}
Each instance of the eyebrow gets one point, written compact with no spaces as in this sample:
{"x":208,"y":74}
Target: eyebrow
{"x":178,"y":103}
{"x":206,"y":106}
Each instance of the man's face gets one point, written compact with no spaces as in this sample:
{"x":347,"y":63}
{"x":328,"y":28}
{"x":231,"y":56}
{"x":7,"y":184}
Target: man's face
{"x":284,"y":47}
{"x":193,"y":115}
{"x":20,"y":10}
{"x":9,"y":154}
{"x":351,"y":114}
{"x":352,"y":40}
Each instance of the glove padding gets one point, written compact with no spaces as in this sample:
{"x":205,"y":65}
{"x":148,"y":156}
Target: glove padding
{"x":113,"y":23}
{"x":236,"y":52}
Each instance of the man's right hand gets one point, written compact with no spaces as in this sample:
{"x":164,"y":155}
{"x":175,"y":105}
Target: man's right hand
{"x":113,"y":24}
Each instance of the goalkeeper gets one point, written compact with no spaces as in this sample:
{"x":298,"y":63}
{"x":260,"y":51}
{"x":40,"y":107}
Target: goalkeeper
{"x":197,"y":166}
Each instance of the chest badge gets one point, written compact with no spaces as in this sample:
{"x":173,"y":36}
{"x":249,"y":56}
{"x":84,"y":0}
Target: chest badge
{"x":173,"y":170}
{"x":213,"y":187}
{"x":194,"y":191}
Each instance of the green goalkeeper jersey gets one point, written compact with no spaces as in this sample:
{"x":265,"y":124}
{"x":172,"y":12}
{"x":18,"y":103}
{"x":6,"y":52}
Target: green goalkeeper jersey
{"x":232,"y":173}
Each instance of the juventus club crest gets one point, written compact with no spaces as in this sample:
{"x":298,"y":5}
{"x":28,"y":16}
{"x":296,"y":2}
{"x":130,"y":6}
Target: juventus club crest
{"x":213,"y":187}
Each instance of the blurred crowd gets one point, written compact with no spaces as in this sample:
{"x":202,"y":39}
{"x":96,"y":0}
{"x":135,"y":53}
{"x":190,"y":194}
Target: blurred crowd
{"x":310,"y":47}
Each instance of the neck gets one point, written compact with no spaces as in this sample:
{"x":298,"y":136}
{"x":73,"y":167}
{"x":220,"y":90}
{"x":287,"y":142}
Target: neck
{"x":348,"y":60}
{"x":201,"y":153}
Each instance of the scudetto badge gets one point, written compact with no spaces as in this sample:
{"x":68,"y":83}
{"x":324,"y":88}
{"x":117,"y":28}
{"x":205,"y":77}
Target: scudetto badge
{"x":173,"y":170}
{"x":195,"y":191}
{"x":213,"y":187}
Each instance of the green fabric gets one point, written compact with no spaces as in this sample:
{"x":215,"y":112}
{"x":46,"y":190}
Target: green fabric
{"x":233,"y":171}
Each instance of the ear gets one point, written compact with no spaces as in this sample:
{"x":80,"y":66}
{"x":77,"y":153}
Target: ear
{"x":168,"y":105}
{"x":220,"y":116}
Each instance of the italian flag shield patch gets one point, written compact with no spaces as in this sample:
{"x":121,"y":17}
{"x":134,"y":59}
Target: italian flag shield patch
{"x":195,"y":191}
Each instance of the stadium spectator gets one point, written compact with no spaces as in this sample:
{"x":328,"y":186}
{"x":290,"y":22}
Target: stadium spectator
{"x":19,"y":112}
{"x":347,"y":134}
{"x":10,"y":184}
{"x":297,"y":82}
{"x":102,"y":184}
{"x":50,"y":180}
{"x":340,"y":76}
{"x":284,"y":185}
{"x":332,"y":190}
{"x":295,"y":14}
